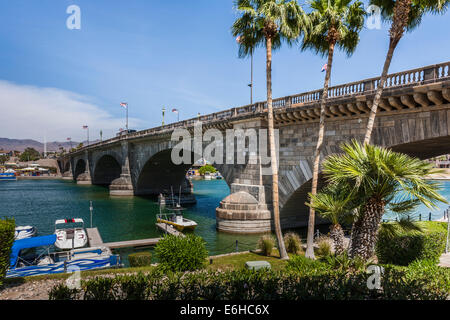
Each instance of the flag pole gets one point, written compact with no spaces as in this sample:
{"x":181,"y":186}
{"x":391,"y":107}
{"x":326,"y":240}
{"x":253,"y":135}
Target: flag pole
{"x":127,"y":117}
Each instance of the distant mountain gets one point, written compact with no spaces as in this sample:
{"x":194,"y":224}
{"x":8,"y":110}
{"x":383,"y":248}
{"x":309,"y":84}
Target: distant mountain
{"x":22,"y":144}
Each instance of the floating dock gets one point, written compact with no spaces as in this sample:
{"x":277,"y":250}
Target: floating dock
{"x":95,"y":240}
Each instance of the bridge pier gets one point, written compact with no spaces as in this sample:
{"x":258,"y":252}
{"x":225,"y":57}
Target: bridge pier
{"x":85,"y":177}
{"x":123,"y":186}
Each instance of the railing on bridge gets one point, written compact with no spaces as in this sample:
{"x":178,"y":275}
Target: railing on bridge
{"x":422,"y":75}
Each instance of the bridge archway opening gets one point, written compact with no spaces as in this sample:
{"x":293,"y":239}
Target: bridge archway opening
{"x":425,"y":149}
{"x":107,"y":169}
{"x":79,"y":168}
{"x":66,"y":167}
{"x":161,"y":175}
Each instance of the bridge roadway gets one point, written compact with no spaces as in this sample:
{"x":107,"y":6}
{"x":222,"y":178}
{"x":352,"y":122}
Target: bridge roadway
{"x":413,"y":117}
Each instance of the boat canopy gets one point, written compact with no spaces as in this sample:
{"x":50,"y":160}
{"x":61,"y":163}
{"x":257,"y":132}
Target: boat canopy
{"x":29,"y":243}
{"x":71,"y":220}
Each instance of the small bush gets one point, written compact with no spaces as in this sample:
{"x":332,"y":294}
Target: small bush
{"x":181,"y":254}
{"x":301,"y":264}
{"x":62,"y":292}
{"x":343,"y":262}
{"x":140,"y":259}
{"x":293,"y":243}
{"x":405,"y":247}
{"x":266,"y":244}
{"x":7,"y":230}
{"x":323,"y":247}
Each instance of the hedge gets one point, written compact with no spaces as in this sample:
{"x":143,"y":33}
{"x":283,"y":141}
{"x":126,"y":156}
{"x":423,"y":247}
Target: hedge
{"x":406,"y":247}
{"x":140,"y":259}
{"x":7,"y":231}
{"x":396,"y":283}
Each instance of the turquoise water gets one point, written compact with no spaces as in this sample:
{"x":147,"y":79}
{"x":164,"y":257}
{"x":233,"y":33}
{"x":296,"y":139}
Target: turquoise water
{"x":41,"y":202}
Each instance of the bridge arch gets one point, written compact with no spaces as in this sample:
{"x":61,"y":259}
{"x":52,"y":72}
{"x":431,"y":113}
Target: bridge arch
{"x":106,"y":170}
{"x":80,"y":168}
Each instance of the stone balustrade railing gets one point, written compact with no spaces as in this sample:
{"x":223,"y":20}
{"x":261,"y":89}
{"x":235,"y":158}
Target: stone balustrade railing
{"x":424,"y":75}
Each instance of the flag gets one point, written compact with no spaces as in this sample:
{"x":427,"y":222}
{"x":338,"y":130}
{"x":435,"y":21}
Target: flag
{"x":124,"y":104}
{"x":85,"y":127}
{"x":325,"y":66}
{"x":68,"y":139}
{"x":174,"y":110}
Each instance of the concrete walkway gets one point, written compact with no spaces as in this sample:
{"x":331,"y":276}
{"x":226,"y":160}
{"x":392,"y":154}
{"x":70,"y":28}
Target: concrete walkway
{"x":445,"y":260}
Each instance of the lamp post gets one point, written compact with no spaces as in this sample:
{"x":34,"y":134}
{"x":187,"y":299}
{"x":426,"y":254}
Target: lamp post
{"x":87,"y":128}
{"x":101,"y":135}
{"x":163,"y":111}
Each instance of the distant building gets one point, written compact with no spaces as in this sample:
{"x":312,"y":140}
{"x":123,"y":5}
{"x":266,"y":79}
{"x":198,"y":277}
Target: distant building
{"x":6,"y":153}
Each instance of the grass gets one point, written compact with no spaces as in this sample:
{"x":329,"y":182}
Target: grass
{"x":238,"y":261}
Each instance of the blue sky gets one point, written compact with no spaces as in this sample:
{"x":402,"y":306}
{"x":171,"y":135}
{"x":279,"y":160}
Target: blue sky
{"x":154,"y":53}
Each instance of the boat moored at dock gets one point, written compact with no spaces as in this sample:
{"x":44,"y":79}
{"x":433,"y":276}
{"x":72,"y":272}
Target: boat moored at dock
{"x":8,"y":176}
{"x":56,"y":262}
{"x":175,"y":218}
{"x":72,"y":237}
{"x":23,"y":232}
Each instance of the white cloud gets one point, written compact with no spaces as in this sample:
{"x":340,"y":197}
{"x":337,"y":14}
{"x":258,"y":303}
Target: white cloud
{"x":29,"y":112}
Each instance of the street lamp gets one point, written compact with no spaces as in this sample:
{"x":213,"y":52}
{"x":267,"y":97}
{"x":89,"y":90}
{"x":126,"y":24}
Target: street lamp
{"x":87,"y":128}
{"x":163,"y":111}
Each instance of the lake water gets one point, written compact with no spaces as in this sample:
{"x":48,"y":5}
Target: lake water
{"x":41,"y":202}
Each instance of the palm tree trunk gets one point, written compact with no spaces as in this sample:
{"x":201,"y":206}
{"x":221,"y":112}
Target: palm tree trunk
{"x":274,"y":160}
{"x":337,"y":235}
{"x":311,"y":223}
{"x":365,"y":233}
{"x":376,"y":101}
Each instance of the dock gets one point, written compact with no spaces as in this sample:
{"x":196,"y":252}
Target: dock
{"x":95,"y":240}
{"x":169,"y":229}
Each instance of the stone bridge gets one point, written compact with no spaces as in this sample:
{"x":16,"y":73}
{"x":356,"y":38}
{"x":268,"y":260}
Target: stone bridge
{"x":413,"y":117}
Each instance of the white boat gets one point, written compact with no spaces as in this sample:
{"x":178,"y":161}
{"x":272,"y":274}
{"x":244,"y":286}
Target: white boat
{"x":23,"y":232}
{"x":46,"y":262}
{"x":175,"y":218}
{"x":72,"y":237}
{"x":207,"y":176}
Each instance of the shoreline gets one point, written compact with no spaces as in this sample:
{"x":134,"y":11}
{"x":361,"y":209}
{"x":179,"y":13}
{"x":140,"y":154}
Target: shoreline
{"x":39,"y":178}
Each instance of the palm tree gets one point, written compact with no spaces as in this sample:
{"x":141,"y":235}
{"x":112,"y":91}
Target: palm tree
{"x":268,"y":23}
{"x":404,"y":15}
{"x":379,"y":178}
{"x":333,"y":23}
{"x":334,"y":203}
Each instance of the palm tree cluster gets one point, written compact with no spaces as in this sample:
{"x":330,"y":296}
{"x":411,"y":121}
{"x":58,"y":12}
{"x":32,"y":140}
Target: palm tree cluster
{"x":328,"y":24}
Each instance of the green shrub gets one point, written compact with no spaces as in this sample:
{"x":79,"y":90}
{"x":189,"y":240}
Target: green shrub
{"x":266,"y":244}
{"x":396,"y":283}
{"x":405,"y":247}
{"x":301,"y":264}
{"x":293,"y":243}
{"x":181,"y":254}
{"x":62,"y":292}
{"x":323,"y":247}
{"x":140,"y":259}
{"x":343,"y":262}
{"x":7,"y":231}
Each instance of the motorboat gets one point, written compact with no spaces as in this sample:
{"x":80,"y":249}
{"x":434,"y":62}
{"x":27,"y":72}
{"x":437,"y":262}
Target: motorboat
{"x":175,"y":218}
{"x":23,"y":232}
{"x":207,"y":176}
{"x":218,"y":176}
{"x":46,"y":262}
{"x":8,"y":176}
{"x":72,"y":237}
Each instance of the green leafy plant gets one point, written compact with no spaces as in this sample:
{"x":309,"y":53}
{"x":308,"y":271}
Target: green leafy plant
{"x":7,"y":231}
{"x":404,"y":247}
{"x":293,"y":243}
{"x":323,"y":247}
{"x":140,"y":259}
{"x":207,"y":168}
{"x":266,"y":244}
{"x":181,"y":253}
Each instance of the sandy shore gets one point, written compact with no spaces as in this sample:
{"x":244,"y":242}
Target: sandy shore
{"x":445,"y":175}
